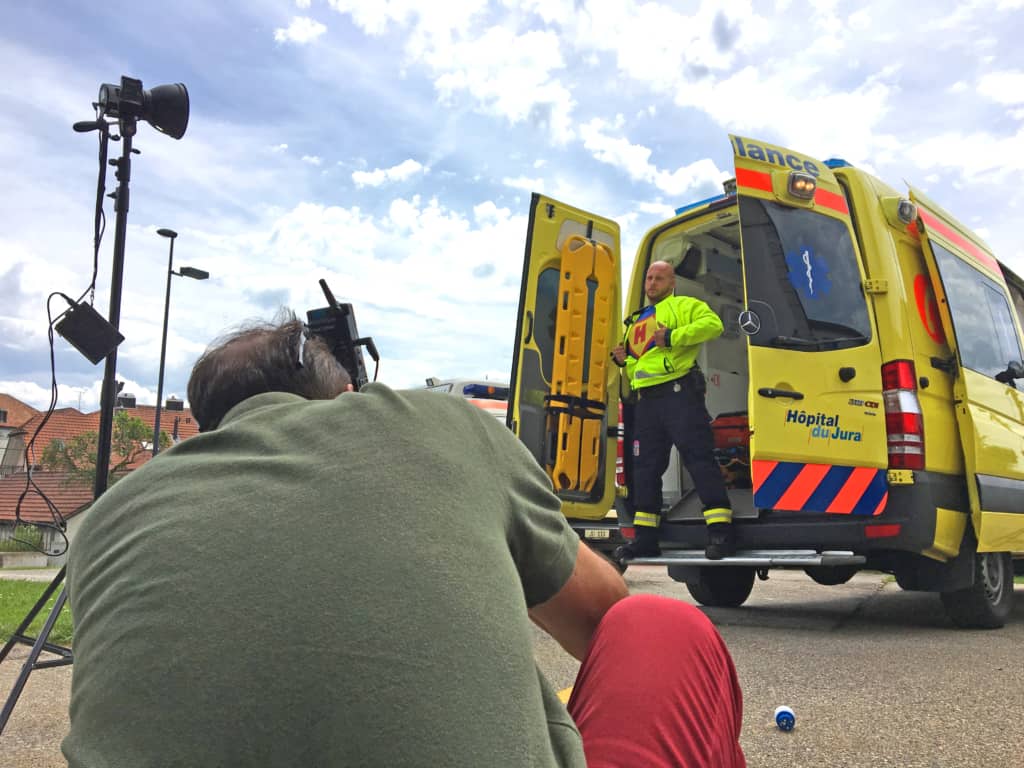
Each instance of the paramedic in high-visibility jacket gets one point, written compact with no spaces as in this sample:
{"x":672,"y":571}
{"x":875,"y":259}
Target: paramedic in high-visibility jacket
{"x":659,"y":353}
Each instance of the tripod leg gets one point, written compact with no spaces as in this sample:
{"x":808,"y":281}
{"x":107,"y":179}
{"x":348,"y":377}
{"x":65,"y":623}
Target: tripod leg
{"x":37,"y":647}
{"x":19,"y":633}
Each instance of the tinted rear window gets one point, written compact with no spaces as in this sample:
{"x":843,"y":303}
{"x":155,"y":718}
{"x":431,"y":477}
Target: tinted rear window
{"x":802,"y":278}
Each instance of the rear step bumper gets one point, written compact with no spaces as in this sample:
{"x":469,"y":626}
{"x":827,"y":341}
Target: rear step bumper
{"x":757,"y":558}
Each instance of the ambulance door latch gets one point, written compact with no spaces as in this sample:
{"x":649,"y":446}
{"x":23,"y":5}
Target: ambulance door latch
{"x":771,"y":392}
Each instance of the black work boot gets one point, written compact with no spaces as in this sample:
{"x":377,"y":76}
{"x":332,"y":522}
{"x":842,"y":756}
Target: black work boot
{"x":721,"y":541}
{"x":644,"y":545}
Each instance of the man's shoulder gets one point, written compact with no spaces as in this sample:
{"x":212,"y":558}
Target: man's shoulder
{"x":422,"y":403}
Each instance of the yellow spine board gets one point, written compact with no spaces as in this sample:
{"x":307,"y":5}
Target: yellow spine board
{"x":578,"y":431}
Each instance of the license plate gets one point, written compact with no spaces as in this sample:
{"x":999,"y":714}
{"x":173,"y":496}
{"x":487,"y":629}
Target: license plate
{"x":597,"y":533}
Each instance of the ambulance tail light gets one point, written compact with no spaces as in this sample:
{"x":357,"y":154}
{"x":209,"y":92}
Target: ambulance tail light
{"x":904,"y":425}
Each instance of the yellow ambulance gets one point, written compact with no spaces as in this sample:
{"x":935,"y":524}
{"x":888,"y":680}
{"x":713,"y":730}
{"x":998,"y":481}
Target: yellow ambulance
{"x":865,"y":380}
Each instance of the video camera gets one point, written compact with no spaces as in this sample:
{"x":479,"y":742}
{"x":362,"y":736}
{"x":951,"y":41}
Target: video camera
{"x":336,"y":325}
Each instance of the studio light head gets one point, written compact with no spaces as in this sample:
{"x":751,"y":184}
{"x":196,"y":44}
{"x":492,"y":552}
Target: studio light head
{"x":165,"y":107}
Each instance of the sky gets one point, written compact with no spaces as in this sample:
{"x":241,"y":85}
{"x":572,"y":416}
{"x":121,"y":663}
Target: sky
{"x":391,"y":148}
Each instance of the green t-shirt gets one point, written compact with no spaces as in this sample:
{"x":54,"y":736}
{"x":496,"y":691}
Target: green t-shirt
{"x":322,"y":583}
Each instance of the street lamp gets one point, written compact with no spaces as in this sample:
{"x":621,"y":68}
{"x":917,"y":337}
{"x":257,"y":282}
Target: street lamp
{"x":195,"y":274}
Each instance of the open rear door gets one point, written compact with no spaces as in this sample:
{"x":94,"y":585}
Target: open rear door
{"x":564,"y":386}
{"x":976,"y":314}
{"x":819,"y":441}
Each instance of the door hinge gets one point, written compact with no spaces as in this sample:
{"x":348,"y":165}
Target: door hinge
{"x":876,"y":285}
{"x":900,"y":476}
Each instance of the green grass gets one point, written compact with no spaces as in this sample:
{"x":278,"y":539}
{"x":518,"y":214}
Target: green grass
{"x":17,"y":599}
{"x":1018,"y":579}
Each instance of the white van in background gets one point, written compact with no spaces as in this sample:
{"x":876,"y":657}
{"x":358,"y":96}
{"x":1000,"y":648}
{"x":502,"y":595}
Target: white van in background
{"x":489,"y":396}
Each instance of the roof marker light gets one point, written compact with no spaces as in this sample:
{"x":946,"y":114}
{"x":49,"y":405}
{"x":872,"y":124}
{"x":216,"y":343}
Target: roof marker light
{"x":907,"y":212}
{"x":802,"y":185}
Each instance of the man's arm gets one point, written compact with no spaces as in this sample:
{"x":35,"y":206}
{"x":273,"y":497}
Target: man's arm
{"x":703,"y":323}
{"x":571,"y":616}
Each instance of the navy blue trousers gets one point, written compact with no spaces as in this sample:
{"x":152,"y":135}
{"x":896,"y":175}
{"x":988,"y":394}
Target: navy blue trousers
{"x":670,"y":414}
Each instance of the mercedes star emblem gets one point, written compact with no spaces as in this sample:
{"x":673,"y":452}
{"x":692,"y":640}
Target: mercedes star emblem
{"x":750,"y":323}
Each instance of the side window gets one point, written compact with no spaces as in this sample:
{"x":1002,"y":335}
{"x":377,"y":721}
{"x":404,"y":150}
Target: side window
{"x":546,"y":318}
{"x":1018,"y":301}
{"x":982,"y":320}
{"x":546,"y":315}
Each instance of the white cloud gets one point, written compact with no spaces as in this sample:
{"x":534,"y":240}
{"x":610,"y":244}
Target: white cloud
{"x":301,"y":31}
{"x":509,"y":75}
{"x":489,"y":214}
{"x":523,"y":183}
{"x":1003,"y":87}
{"x":303,"y":4}
{"x":436,"y":264}
{"x":375,"y":178}
{"x":976,"y":156}
{"x":312,"y":159}
{"x":279,"y":148}
{"x":635,"y":160}
{"x":661,"y":210}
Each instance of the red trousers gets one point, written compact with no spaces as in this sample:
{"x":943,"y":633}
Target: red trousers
{"x":658,"y":689}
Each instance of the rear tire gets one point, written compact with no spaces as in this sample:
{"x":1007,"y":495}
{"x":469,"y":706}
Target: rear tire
{"x":722,"y":586}
{"x":987,"y":602}
{"x":831,"y":575}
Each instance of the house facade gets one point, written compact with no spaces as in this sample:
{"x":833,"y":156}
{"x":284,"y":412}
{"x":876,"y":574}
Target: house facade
{"x":53,"y":500}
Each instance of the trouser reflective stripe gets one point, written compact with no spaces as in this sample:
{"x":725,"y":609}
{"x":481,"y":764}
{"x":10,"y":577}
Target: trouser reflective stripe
{"x":646,"y":519}
{"x":717,"y":515}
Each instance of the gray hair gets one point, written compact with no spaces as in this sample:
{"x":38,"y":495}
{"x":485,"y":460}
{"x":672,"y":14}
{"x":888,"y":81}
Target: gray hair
{"x":262,"y":357}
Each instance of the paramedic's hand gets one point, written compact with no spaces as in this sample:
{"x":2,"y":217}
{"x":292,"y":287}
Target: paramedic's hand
{"x":662,"y":336}
{"x":619,"y":355}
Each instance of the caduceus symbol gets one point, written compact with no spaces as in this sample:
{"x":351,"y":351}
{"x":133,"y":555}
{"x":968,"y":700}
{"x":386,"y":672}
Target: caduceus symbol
{"x":810,"y":277}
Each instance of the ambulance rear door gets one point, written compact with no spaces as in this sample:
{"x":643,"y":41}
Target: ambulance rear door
{"x":818,"y":441}
{"x":977,"y":316}
{"x":563,"y":402}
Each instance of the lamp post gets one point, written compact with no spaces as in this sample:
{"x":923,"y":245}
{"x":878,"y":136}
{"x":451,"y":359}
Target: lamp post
{"x":195,"y":274}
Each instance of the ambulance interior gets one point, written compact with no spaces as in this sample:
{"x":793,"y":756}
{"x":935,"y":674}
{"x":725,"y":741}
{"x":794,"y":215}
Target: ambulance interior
{"x":706,"y":260}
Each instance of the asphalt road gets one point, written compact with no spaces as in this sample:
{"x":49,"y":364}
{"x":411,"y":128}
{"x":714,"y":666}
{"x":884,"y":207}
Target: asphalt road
{"x":876,"y":676}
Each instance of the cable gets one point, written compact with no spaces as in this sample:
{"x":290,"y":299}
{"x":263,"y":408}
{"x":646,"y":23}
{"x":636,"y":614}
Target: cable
{"x":100,"y":220}
{"x":59,"y":523}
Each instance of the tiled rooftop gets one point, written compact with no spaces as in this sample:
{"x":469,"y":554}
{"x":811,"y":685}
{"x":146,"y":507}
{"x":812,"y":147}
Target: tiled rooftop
{"x":65,"y":424}
{"x":68,"y":499}
{"x":16,"y":412}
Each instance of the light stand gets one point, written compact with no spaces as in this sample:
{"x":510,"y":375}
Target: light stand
{"x":109,"y":392}
{"x":166,"y":108}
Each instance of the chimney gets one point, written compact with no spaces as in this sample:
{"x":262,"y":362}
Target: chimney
{"x":127,"y":400}
{"x":174,"y":404}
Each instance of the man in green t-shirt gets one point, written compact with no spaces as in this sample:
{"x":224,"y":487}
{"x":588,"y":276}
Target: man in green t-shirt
{"x":325,"y":577}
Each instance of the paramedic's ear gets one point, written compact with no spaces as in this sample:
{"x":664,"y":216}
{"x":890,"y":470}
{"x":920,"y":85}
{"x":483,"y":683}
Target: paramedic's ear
{"x":349,"y":388}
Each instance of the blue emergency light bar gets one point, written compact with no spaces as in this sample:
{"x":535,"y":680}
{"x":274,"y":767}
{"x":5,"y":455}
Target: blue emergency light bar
{"x":699,"y":203}
{"x":485,"y":391}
